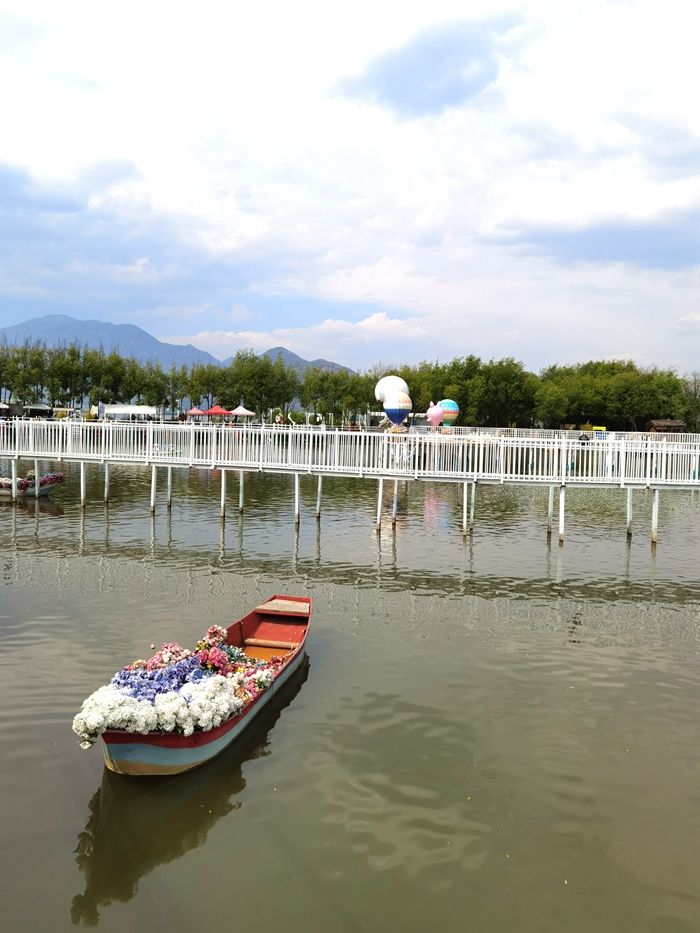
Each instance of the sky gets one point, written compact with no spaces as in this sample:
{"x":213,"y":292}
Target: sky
{"x":367,"y":182}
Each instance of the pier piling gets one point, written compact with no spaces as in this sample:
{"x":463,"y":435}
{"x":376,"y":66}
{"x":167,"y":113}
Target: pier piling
{"x":380,"y":496}
{"x":223,"y":494}
{"x":153,"y":488}
{"x":654,"y":516}
{"x":562,"y":507}
{"x":629,"y":511}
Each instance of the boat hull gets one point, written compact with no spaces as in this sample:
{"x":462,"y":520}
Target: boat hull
{"x":168,"y":753}
{"x":6,"y":493}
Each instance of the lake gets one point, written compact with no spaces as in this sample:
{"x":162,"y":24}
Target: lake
{"x":494,"y":733}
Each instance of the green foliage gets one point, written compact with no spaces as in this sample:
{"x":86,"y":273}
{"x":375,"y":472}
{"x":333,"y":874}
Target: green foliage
{"x":498,"y":393}
{"x":613,"y":393}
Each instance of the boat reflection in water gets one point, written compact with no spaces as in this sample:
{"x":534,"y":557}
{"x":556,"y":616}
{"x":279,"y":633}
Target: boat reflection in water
{"x":44,"y":505}
{"x":134,"y":826}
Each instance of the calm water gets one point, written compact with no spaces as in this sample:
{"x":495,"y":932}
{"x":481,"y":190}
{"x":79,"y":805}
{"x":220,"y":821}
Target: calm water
{"x":494,"y":735}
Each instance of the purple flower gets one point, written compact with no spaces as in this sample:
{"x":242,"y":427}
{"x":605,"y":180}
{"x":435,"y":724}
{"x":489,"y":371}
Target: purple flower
{"x":145,"y":685}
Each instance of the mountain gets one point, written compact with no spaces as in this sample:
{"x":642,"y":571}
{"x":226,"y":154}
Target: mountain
{"x":126,"y":339}
{"x":131,"y":341}
{"x":298,"y":363}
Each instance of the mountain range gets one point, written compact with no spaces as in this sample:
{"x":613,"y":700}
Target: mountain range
{"x":131,"y":341}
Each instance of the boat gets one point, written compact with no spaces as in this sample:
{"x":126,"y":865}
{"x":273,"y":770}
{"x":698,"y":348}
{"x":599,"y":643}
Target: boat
{"x":134,"y":827}
{"x":26,"y":485}
{"x":276,"y":628}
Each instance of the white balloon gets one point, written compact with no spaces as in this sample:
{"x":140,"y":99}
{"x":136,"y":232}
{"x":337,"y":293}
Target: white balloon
{"x":389,"y":384}
{"x":397,"y":406}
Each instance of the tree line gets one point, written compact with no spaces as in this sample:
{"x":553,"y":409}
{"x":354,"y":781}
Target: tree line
{"x":496,"y":393}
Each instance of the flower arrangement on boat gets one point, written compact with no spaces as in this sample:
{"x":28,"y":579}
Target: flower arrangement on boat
{"x":29,"y":481}
{"x":177,"y":690}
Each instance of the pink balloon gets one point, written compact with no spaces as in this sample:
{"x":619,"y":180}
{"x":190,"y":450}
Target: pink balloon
{"x":434,"y":414}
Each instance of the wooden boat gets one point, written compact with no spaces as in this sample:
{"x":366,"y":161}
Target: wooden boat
{"x":133,"y":827}
{"x":278,"y":627}
{"x":26,"y":485}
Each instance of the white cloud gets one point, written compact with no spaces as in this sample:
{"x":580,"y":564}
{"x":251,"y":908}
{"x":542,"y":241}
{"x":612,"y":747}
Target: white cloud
{"x":237,"y":142}
{"x":332,"y":338}
{"x":690,"y":321}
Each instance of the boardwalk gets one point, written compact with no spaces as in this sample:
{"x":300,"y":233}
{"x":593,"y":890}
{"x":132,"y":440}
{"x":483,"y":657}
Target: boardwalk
{"x":544,"y":458}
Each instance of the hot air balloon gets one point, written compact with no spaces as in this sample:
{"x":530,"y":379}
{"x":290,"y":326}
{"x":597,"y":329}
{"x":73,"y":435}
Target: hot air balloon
{"x":450,"y":410}
{"x":434,"y":414}
{"x":388,"y":385}
{"x":397,"y":405}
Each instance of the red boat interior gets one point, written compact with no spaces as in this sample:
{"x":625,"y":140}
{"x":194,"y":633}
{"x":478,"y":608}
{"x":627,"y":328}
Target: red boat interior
{"x":276,"y":627}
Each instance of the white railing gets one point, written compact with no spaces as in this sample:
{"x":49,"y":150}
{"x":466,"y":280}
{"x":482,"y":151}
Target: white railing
{"x":554,"y":433}
{"x":648,"y":460}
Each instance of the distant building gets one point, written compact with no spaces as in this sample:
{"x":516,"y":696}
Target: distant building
{"x":666,"y":426}
{"x":127,"y":412}
{"x":37,"y":410}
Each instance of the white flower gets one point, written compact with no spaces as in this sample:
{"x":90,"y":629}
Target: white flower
{"x":202,"y":705}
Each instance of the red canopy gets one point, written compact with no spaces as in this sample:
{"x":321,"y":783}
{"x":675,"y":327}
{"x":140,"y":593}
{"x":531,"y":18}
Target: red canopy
{"x":216,"y":410}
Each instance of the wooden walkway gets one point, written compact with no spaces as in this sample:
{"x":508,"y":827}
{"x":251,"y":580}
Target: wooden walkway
{"x":625,"y":460}
{"x":471,"y":457}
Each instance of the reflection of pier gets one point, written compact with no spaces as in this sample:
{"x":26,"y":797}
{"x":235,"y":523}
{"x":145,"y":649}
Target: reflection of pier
{"x":554,"y":459}
{"x":133,"y":826}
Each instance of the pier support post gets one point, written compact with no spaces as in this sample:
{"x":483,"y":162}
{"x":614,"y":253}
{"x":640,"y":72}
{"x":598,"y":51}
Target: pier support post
{"x":550,"y":510}
{"x":654,"y":515}
{"x":296,"y":499}
{"x":153,"y":488}
{"x":36,"y":479}
{"x":82,"y":484}
{"x":472,"y":507}
{"x":170,"y":487}
{"x":395,"y":503}
{"x":380,"y":496}
{"x":106,"y":495}
{"x":562,"y":505}
{"x":629,"y":511}
{"x":223,"y":493}
{"x":13,"y":468}
{"x":240,"y":490}
{"x":318,"y":497}
{"x":465,"y":499}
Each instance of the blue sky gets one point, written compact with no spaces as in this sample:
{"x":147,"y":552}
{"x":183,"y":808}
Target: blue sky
{"x":376,"y":181}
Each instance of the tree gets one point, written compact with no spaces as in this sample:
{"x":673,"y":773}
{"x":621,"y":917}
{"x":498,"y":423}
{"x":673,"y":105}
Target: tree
{"x":204,"y":382}
{"x":506,"y":393}
{"x":154,"y":385}
{"x":176,"y":387}
{"x":691,"y":392}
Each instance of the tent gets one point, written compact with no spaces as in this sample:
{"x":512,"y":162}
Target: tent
{"x":134,"y":412}
{"x":242,"y":412}
{"x":216,"y":410}
{"x":195,"y":411}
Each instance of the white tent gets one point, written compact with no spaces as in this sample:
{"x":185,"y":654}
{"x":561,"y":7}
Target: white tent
{"x":242,"y":412}
{"x":128,"y":411}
